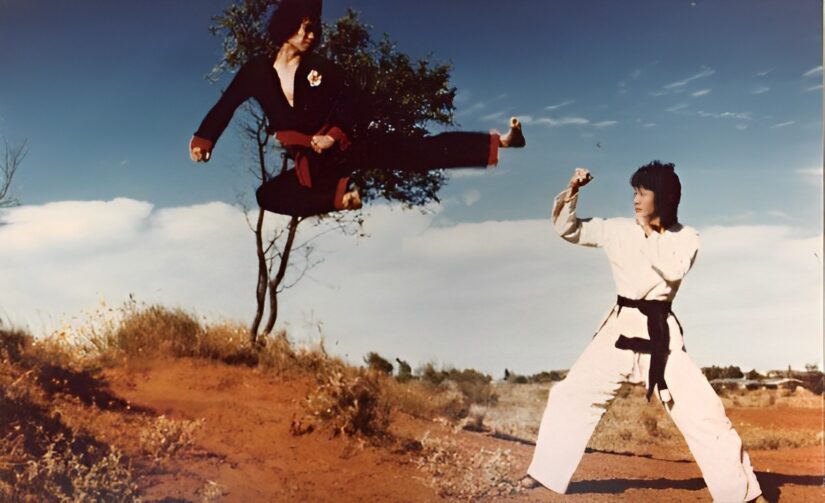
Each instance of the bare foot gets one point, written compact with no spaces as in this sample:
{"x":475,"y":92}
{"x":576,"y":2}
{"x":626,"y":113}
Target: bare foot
{"x":352,"y":200}
{"x":528,"y":482}
{"x":514,"y":138}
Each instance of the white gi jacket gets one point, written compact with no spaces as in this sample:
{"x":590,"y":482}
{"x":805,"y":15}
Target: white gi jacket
{"x":643,"y":267}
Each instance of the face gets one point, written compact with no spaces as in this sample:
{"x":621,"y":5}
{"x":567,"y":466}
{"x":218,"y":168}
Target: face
{"x":643,"y":202}
{"x":303,"y":38}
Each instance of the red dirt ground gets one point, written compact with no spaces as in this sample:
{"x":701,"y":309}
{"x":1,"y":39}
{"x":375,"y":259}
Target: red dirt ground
{"x":245,"y":451}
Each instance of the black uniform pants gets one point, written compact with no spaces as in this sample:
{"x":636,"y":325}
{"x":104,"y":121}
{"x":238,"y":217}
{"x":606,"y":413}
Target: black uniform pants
{"x":284,"y":194}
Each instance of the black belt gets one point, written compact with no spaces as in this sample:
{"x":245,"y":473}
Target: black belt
{"x":658,"y":346}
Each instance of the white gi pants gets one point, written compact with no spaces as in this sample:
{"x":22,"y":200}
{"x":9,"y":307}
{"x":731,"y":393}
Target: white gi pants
{"x":576,"y":404}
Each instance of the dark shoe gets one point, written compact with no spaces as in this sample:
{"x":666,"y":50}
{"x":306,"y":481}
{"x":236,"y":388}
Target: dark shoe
{"x":515,"y":137}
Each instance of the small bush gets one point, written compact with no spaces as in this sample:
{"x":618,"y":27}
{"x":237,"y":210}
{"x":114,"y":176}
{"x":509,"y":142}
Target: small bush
{"x":404,"y":371}
{"x":375,"y":362}
{"x":546,"y":377}
{"x":423,"y":400}
{"x":157,"y":330}
{"x":228,"y":343}
{"x":474,"y":385}
{"x":347,"y":401}
{"x":61,"y":474}
{"x":164,"y":437}
{"x":13,"y":343}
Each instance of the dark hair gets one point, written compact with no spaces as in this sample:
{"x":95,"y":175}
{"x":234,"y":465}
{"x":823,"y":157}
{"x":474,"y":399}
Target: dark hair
{"x":663,"y":181}
{"x":287,"y":19}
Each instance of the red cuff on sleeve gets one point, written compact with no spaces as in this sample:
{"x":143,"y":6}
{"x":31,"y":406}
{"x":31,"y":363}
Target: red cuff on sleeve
{"x":202,"y":143}
{"x":339,"y":193}
{"x":340,"y":137}
{"x":492,"y":158}
{"x":290,"y":138}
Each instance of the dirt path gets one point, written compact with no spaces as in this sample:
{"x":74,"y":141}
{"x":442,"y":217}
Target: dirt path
{"x":248,"y":453}
{"x":245,"y":452}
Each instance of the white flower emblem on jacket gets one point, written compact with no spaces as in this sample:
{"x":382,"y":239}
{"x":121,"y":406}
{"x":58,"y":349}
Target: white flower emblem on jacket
{"x":314,"y":78}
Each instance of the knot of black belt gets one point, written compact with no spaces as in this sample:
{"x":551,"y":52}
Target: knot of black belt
{"x":658,"y":346}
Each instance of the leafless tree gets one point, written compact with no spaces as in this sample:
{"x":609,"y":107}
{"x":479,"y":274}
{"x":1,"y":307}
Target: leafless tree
{"x":276,"y":250}
{"x":12,"y":157}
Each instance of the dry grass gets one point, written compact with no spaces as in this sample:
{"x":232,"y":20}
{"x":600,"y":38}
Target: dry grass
{"x":772,"y":439}
{"x":348,"y":402}
{"x":41,"y":457}
{"x":61,"y":474}
{"x":424,"y":400}
{"x":633,"y":425}
{"x":456,"y":475}
{"x":165,"y":437}
{"x":761,"y":398}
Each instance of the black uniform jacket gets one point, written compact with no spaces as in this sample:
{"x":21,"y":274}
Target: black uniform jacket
{"x":330,"y":102}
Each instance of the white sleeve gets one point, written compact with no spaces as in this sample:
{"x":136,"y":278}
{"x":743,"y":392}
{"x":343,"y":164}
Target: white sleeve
{"x":585,"y":232}
{"x":672,"y":257}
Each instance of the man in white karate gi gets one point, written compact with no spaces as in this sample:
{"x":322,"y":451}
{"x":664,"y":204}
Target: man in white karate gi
{"x":639,"y":341}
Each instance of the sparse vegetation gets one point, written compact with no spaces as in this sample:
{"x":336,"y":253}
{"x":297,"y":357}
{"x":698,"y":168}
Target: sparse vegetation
{"x":486,"y":474}
{"x":164,"y":437}
{"x":404,"y":371}
{"x":729,"y":372}
{"x":41,"y":457}
{"x":41,"y":453}
{"x":378,"y":363}
{"x":347,"y":401}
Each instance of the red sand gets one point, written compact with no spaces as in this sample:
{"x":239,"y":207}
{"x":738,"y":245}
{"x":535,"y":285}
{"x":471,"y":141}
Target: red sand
{"x":245,"y":452}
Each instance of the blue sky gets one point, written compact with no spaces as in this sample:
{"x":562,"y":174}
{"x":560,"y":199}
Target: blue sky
{"x":108,"y":93}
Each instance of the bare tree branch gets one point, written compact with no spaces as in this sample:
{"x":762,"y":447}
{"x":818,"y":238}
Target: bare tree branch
{"x":12,"y":157}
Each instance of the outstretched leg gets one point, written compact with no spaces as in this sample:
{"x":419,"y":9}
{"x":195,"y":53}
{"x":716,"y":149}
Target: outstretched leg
{"x":574,"y":408}
{"x":450,"y":150}
{"x":717,"y":448}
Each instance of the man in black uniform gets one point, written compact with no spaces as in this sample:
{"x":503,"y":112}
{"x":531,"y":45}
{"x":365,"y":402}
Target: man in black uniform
{"x":312,"y":112}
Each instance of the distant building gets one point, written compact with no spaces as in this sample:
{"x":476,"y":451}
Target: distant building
{"x":770,"y":382}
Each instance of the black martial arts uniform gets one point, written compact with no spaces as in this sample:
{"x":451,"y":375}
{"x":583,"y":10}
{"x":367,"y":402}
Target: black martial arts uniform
{"x":323,"y":103}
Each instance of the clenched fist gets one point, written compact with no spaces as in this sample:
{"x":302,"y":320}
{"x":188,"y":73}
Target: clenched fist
{"x":581,"y":177}
{"x":200,"y":149}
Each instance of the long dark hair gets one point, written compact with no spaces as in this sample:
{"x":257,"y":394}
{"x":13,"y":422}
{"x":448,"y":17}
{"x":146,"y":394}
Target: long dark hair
{"x":287,"y":19}
{"x":663,"y":181}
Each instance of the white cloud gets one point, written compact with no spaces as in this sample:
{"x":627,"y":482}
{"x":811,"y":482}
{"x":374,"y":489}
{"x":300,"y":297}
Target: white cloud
{"x":476,"y":107}
{"x":559,"y":122}
{"x":813,"y":88}
{"x":763,"y":72}
{"x":564,"y":121}
{"x":559,"y":105}
{"x":741,"y":127}
{"x":649,"y":124}
{"x":474,"y":173}
{"x":705,"y":72}
{"x":487,"y":295}
{"x":814,"y":174}
{"x":494,"y":116}
{"x":761,"y":90}
{"x":703,"y":92}
{"x":676,"y":108}
{"x":783,"y":124}
{"x":470,"y":197}
{"x":813,"y":71}
{"x":726,"y":115}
